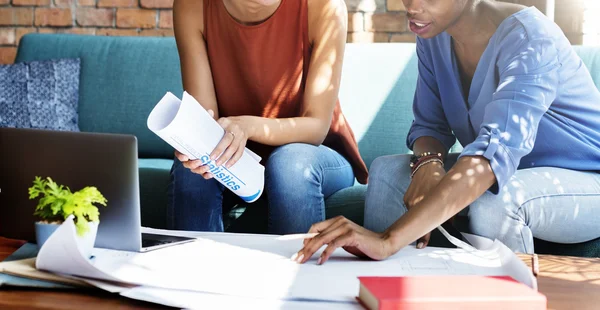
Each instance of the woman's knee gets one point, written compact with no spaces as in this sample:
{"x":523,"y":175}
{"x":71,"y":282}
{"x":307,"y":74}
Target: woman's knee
{"x":391,"y":166}
{"x":389,"y":178}
{"x":292,"y":164}
{"x":492,"y":215}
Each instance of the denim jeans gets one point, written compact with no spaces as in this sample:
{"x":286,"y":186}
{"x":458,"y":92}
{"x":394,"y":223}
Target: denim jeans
{"x":298,"y":179}
{"x":552,"y":204}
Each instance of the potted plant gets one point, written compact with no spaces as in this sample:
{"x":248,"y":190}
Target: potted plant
{"x":57,"y":203}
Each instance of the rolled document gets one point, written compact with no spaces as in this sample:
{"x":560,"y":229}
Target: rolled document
{"x":187,"y":127}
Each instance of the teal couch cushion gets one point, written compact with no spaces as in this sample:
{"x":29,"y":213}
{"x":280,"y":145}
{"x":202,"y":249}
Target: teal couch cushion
{"x":121,"y":80}
{"x":590,"y":55}
{"x":349,"y":202}
{"x":376,"y":94}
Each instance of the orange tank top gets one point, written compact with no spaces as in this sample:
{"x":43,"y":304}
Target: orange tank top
{"x":261,"y":70}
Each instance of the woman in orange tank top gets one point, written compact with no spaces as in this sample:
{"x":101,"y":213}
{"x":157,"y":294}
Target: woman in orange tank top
{"x":269,"y":71}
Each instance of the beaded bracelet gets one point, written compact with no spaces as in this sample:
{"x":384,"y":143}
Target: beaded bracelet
{"x":416,"y":160}
{"x":423,"y":163}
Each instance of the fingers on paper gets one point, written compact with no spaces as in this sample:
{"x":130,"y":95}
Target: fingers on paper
{"x":346,"y":239}
{"x":232,"y":154}
{"x":317,"y":228}
{"x":238,"y":154}
{"x":203,"y":170}
{"x":423,"y":241}
{"x":329,"y":233}
{"x":193,"y":165}
{"x":181,"y":157}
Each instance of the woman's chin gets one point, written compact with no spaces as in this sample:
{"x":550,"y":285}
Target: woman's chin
{"x":267,"y":2}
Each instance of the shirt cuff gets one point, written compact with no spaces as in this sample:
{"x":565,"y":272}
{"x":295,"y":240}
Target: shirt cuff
{"x":500,"y":158}
{"x":416,"y":133}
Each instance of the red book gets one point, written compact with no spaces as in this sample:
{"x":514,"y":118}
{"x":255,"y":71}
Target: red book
{"x":447,"y":292}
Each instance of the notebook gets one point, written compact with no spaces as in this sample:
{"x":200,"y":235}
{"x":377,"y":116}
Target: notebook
{"x":447,"y":292}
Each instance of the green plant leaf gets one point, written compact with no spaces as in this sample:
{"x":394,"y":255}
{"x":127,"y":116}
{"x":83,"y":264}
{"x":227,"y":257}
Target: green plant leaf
{"x":58,"y":202}
{"x":57,"y":206}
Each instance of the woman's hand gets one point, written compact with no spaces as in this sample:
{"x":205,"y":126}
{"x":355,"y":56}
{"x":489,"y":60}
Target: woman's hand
{"x":426,"y":179}
{"x":230,"y":148}
{"x":195,"y":165}
{"x":341,"y":232}
{"x":232,"y":145}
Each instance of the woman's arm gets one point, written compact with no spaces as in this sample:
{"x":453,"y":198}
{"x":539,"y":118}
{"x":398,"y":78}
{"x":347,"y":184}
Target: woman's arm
{"x":471,"y":177}
{"x":197,"y":79}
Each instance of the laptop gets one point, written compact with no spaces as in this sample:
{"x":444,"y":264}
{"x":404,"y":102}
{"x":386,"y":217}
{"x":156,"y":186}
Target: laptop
{"x":76,"y":160}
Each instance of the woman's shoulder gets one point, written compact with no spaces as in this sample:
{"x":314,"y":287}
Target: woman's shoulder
{"x":189,"y":14}
{"x":526,"y":26}
{"x":325,"y":12}
{"x":319,"y":6}
{"x":529,"y":33}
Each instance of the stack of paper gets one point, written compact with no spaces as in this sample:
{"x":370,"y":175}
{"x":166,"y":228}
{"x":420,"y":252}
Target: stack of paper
{"x":188,"y":128}
{"x":256,"y":269}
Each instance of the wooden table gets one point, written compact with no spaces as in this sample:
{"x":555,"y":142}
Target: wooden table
{"x":568,"y":283}
{"x":55,"y":299}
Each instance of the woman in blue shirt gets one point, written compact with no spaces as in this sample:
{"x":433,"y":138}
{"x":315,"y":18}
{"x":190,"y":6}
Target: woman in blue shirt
{"x":505,"y":81}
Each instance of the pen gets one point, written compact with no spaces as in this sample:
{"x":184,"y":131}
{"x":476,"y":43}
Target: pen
{"x":535,"y":265}
{"x":297,"y":236}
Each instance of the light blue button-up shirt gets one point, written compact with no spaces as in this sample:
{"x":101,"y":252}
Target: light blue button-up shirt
{"x":532,"y":102}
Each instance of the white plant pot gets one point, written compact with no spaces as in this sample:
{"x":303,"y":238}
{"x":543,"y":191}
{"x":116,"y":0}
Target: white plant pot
{"x":87,"y":241}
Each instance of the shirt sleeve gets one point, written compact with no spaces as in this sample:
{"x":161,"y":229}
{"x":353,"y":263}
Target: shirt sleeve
{"x":528,"y":79}
{"x":429,"y":117}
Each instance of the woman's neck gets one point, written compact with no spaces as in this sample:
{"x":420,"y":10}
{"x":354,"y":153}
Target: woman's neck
{"x":476,"y":25}
{"x":250,"y":12}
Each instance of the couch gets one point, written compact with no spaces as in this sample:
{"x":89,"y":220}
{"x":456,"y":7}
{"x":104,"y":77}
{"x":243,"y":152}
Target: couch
{"x":122,"y":78}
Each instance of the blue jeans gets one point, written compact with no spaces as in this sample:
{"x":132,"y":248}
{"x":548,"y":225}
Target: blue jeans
{"x":552,"y":204}
{"x":298,"y":179}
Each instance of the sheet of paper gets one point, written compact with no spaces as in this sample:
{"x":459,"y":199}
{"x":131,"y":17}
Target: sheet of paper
{"x":188,"y":128}
{"x":198,"y":300}
{"x":511,"y":264}
{"x":62,"y":254}
{"x":110,"y":287}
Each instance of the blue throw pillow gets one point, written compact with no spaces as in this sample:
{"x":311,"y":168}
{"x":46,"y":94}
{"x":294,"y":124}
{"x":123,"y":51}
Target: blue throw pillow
{"x":40,"y":95}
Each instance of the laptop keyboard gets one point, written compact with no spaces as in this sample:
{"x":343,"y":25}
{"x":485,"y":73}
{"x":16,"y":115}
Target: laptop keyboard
{"x":151,"y":240}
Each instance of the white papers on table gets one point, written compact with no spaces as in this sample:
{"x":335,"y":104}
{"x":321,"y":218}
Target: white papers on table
{"x":188,"y":128}
{"x":258,"y":267}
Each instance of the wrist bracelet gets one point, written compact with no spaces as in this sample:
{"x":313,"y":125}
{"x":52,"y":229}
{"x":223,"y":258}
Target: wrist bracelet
{"x":416,"y":160}
{"x":423,"y":163}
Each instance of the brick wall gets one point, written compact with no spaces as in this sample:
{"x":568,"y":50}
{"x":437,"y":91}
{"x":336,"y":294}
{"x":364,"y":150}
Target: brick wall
{"x":575,"y":18}
{"x":95,"y":17}
{"x":368,"y":20}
